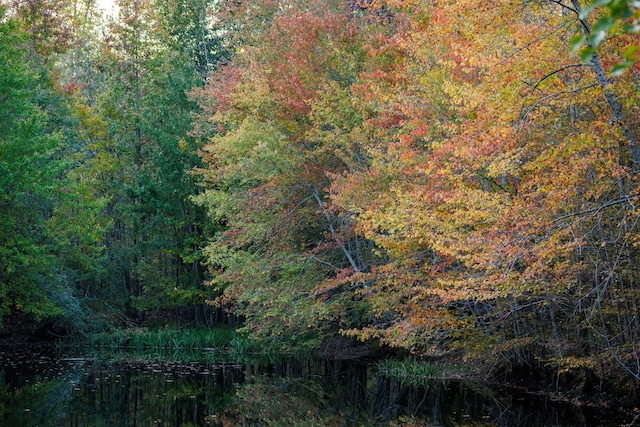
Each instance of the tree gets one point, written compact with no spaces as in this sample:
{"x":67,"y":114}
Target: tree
{"x":503,"y":180}
{"x":269,"y":161}
{"x":27,"y":170}
{"x":138,"y":156}
{"x":49,"y":24}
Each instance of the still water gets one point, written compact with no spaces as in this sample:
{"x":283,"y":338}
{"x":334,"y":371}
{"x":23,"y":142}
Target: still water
{"x":42,"y":387}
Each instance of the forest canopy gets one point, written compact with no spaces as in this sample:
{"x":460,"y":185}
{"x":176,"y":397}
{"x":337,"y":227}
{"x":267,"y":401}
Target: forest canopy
{"x":452,"y":179}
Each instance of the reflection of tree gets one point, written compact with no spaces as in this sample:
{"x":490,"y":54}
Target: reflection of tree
{"x":31,"y":404}
{"x":60,"y":391}
{"x":280,"y":401}
{"x":148,"y":392}
{"x":301,"y":392}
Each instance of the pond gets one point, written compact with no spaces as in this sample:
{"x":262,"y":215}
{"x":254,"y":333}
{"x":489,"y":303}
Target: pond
{"x":42,"y":387}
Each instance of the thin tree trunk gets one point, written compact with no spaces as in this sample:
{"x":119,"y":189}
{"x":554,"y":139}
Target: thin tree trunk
{"x":346,"y":252}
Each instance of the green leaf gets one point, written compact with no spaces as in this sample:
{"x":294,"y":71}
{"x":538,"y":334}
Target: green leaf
{"x":604,"y":24}
{"x":596,"y":38}
{"x":631,"y":28}
{"x":620,"y":68}
{"x":586,"y":10}
{"x":600,"y":30}
{"x":587,"y":53}
{"x":620,"y":9}
{"x":630,"y":51}
{"x":576,"y":42}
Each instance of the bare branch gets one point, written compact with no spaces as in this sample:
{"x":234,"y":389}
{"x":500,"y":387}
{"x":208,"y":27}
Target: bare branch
{"x":346,"y":252}
{"x":553,"y":95}
{"x":596,"y":210}
{"x":561,"y":4}
{"x":558,"y":71}
{"x":323,"y":262}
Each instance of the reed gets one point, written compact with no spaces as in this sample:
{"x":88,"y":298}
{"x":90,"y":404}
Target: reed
{"x":413,"y":372}
{"x":220,"y":338}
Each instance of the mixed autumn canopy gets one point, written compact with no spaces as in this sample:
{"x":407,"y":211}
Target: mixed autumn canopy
{"x":450,"y":178}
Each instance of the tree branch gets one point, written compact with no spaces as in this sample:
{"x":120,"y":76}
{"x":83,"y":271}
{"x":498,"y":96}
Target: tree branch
{"x":323,"y":262}
{"x":346,"y":252}
{"x":558,"y":71}
{"x":561,"y":4}
{"x":553,"y":95}
{"x":596,"y":210}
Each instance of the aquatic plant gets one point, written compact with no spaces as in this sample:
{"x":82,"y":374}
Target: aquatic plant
{"x":413,"y":372}
{"x":221,"y":338}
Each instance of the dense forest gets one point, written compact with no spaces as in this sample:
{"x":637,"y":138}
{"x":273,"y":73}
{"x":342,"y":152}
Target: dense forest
{"x":453,"y":179}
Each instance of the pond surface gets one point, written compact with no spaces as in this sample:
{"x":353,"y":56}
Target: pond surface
{"x":42,"y":387}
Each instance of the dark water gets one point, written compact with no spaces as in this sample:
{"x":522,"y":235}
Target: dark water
{"x":42,"y":387}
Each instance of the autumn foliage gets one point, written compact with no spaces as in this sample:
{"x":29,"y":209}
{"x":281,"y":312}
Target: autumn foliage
{"x":445,"y":177}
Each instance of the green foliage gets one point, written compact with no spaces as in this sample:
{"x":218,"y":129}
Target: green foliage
{"x":134,"y":160}
{"x":188,"y":29}
{"x":28,"y":169}
{"x":96,"y":160}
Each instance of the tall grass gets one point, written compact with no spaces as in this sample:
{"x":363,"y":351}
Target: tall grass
{"x":220,"y":338}
{"x":413,"y":372}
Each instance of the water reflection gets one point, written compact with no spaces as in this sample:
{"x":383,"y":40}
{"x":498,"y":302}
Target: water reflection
{"x":38,"y":388}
